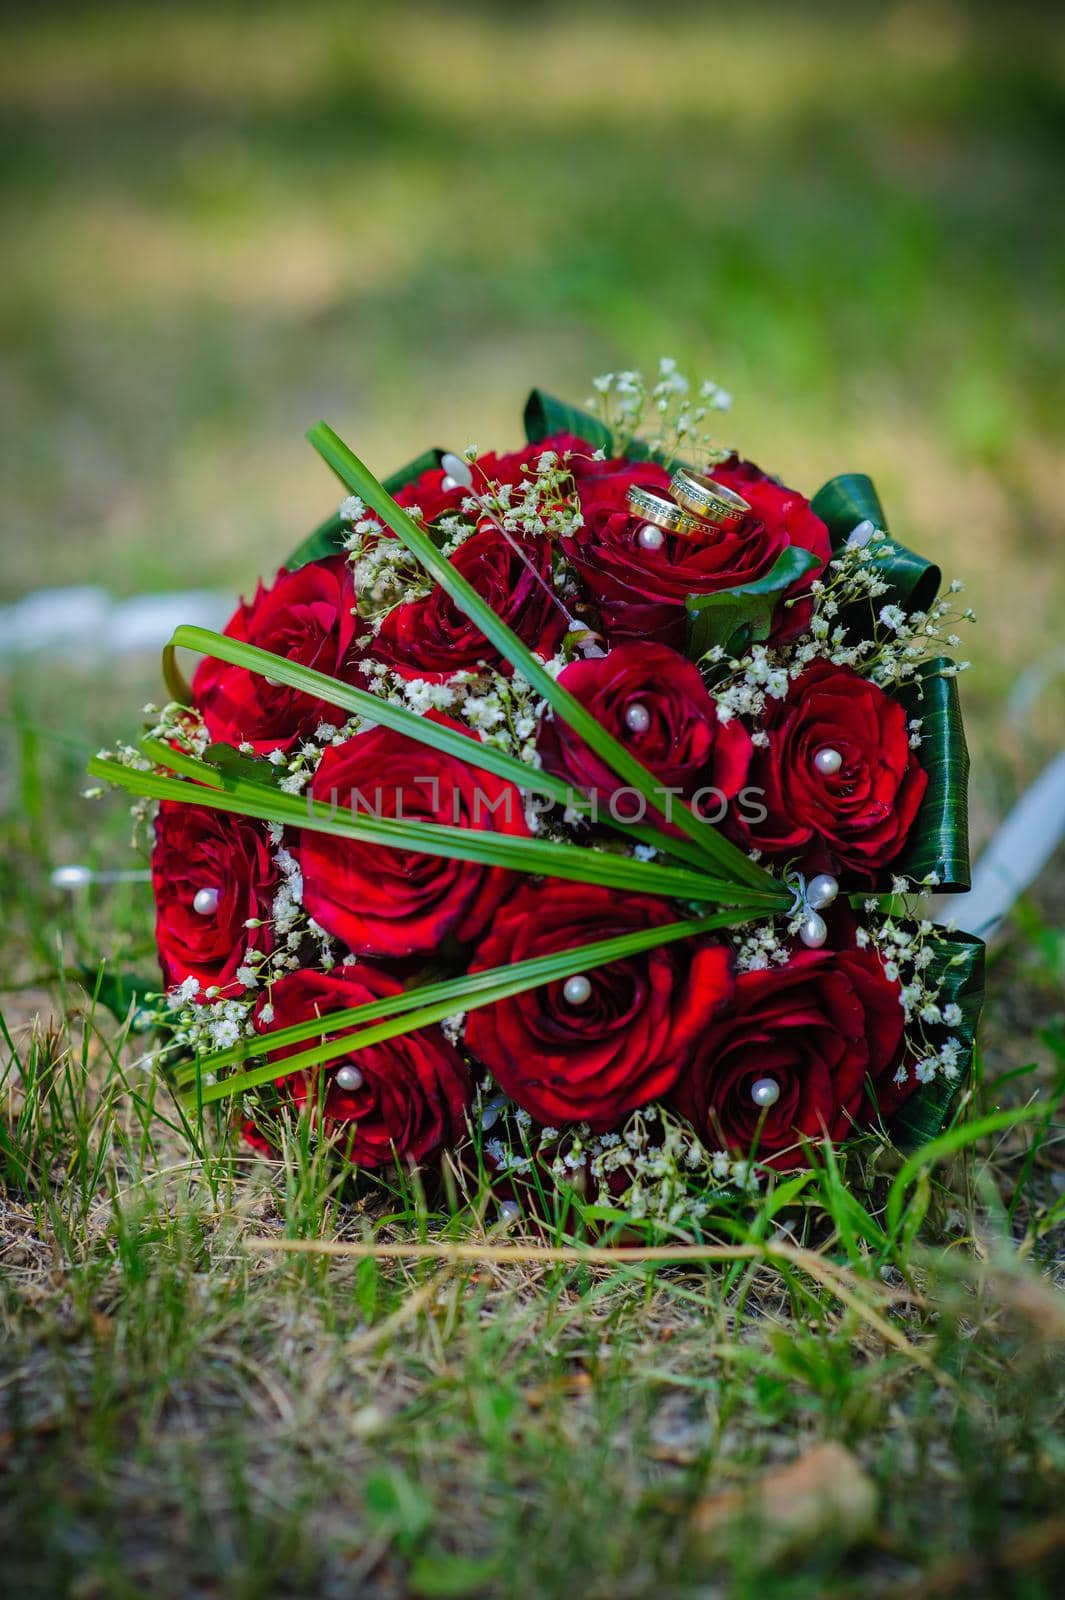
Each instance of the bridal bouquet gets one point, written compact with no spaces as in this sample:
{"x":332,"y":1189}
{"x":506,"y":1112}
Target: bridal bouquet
{"x":572,"y":807}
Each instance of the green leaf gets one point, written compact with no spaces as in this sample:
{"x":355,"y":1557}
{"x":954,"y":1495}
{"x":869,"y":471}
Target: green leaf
{"x":939,"y":840}
{"x":845,"y":501}
{"x":431,"y":1003}
{"x":232,"y":764}
{"x":544,"y":416}
{"x":329,"y":536}
{"x":716,"y":619}
{"x":540,"y":856}
{"x":727,"y":857}
{"x":957,"y":971}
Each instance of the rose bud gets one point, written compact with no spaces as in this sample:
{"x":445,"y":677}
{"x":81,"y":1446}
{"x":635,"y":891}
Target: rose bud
{"x":211,"y":873}
{"x":307,"y":617}
{"x":655,"y":703}
{"x":390,"y":902}
{"x":791,"y":1055}
{"x":641,"y":587}
{"x":593,"y":1046}
{"x":841,"y":782}
{"x":402,"y":1098}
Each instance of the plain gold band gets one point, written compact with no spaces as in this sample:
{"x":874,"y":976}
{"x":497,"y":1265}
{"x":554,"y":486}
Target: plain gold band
{"x":712,"y":502}
{"x":650,"y":507}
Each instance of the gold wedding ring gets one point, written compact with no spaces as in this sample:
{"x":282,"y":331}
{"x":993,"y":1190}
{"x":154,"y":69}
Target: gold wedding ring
{"x":708,"y":501}
{"x":654,"y":508}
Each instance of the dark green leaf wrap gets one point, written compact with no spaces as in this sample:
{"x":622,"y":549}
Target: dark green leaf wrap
{"x":329,"y":536}
{"x":845,"y":501}
{"x":939,"y":840}
{"x":544,"y":416}
{"x":957,"y":969}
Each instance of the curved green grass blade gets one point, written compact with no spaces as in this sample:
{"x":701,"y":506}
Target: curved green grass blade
{"x":164,"y":755}
{"x":418,"y":1008}
{"x":948,"y":1144}
{"x":727,"y":857}
{"x":574,"y":862}
{"x":472,"y":752}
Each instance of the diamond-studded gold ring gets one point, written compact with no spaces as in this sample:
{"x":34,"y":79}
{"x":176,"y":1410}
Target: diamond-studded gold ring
{"x":704,"y":498}
{"x":663,"y":513}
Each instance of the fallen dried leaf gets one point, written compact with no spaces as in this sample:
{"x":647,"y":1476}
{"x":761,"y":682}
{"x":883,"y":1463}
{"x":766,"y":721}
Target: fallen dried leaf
{"x":824,"y":1494}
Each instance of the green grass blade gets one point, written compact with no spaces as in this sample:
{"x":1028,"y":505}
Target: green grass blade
{"x":164,"y":755}
{"x":574,"y":862}
{"x":418,"y":1008}
{"x":948,"y":1144}
{"x":726,"y":856}
{"x":451,"y":741}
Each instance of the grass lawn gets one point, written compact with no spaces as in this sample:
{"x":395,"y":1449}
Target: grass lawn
{"x":223,"y":221}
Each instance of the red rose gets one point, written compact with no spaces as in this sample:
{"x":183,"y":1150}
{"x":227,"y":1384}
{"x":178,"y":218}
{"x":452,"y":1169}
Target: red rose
{"x":818,"y":1030}
{"x":622,"y":1045}
{"x":307,"y":617}
{"x":654,"y":701}
{"x":414,"y":1089}
{"x":641,"y":593}
{"x":432,"y":638}
{"x":386,"y":902}
{"x":226,"y":861}
{"x":859,"y":816}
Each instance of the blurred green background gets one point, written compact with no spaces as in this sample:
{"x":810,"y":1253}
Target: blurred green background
{"x":224,"y":221}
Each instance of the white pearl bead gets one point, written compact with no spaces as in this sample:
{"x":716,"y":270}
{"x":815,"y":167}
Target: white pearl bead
{"x":813,"y":932}
{"x":349,"y":1078}
{"x":637,"y":719}
{"x":828,"y":761}
{"x":821,"y":891}
{"x":509,"y":1210}
{"x":650,"y":537}
{"x":205,"y":902}
{"x":765,"y":1092}
{"x":458,"y":472}
{"x":576,"y":989}
{"x":447,"y":483}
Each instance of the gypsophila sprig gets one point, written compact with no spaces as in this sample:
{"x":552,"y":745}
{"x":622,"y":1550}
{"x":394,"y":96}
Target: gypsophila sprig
{"x":673,"y":408}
